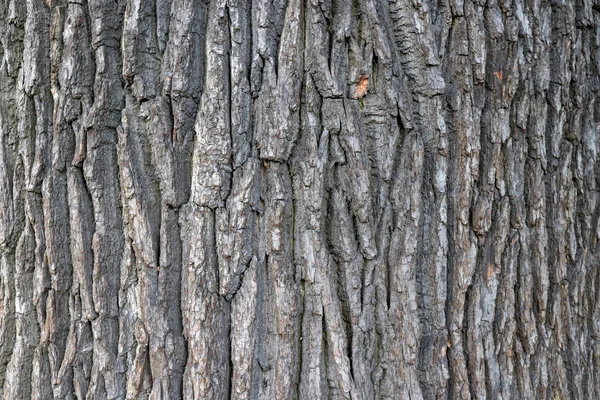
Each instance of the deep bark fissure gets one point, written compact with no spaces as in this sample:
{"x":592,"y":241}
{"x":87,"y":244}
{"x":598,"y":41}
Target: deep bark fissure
{"x":290,"y":199}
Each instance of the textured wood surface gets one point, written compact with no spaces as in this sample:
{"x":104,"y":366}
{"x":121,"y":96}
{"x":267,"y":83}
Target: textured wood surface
{"x":299,"y":199}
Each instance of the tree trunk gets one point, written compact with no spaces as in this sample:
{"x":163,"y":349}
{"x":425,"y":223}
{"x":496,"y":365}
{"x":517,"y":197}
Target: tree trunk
{"x":293,"y":199}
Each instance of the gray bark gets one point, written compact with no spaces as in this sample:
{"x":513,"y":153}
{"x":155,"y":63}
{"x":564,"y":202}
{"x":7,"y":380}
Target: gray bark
{"x":289,"y":199}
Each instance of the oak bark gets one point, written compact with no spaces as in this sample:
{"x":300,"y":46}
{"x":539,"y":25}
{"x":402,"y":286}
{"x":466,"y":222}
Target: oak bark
{"x":294,"y":199}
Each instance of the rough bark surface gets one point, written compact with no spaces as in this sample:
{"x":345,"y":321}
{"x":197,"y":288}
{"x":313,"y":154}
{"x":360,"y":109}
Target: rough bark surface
{"x":299,"y":199}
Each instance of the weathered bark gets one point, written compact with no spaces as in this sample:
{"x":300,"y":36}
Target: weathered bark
{"x":297,"y":199}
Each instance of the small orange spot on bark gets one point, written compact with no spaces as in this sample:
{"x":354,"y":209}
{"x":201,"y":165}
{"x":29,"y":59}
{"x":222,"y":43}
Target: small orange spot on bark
{"x":490,"y":272}
{"x":498,"y":75}
{"x":361,"y":87}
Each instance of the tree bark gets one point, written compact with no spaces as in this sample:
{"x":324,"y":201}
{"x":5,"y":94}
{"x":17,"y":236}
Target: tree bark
{"x":290,"y":199}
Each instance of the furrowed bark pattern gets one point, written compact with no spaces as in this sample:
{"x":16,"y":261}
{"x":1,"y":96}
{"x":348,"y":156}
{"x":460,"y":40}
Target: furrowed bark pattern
{"x":299,"y":199}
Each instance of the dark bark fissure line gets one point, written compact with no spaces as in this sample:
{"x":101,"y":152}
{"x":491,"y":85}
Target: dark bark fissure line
{"x":422,"y":175}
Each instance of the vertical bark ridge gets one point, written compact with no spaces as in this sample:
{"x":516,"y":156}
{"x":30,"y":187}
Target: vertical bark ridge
{"x":294,"y":199}
{"x":14,"y":15}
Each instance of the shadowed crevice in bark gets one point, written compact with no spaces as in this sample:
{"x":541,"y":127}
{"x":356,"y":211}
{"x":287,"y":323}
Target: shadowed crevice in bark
{"x":299,"y":199}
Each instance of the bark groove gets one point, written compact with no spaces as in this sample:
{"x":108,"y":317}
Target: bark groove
{"x":289,"y":199}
